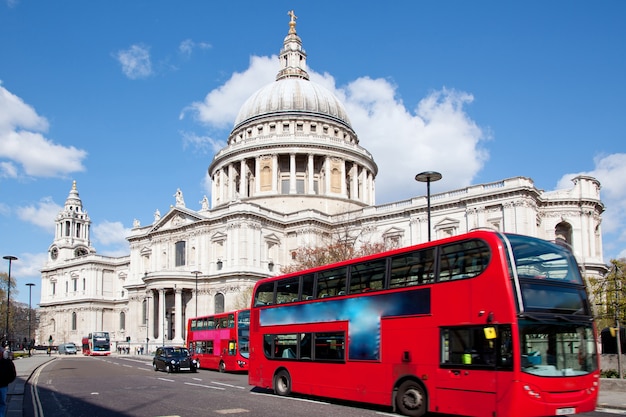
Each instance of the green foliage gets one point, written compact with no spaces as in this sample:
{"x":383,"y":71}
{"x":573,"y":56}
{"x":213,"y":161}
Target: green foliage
{"x":343,"y":250}
{"x":609,"y":294}
{"x":609,"y":373}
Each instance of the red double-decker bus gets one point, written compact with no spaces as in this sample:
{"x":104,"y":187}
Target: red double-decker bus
{"x":481,"y":324}
{"x":220,"y":341}
{"x":97,"y":344}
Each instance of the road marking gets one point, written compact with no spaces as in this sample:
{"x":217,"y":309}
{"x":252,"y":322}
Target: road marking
{"x":290,"y":398}
{"x":227,"y":385}
{"x":205,"y":386}
{"x":232,"y":411}
{"x":611,"y":411}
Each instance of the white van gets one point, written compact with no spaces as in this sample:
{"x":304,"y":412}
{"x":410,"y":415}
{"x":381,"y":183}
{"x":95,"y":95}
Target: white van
{"x":67,"y":349}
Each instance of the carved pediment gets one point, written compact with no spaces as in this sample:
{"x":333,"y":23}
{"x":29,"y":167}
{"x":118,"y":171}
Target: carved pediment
{"x":176,"y":218}
{"x":393,"y":232}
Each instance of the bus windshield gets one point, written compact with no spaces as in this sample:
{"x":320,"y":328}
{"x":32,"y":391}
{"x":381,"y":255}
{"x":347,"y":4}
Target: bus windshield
{"x":543,"y":260}
{"x":552,"y":349}
{"x":244,"y":333}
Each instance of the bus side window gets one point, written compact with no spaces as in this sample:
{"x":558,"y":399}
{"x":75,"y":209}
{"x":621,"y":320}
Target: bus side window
{"x":287,"y":290}
{"x":331,"y":282}
{"x":369,"y":276}
{"x":463,"y":260}
{"x":485,"y":346}
{"x":413,"y":268}
{"x":267,"y":345}
{"x":329,"y":346}
{"x":307,"y":286}
{"x":264,"y":294}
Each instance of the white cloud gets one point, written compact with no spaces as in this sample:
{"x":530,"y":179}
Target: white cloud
{"x":42,"y":214}
{"x":187,"y":47}
{"x":16,"y":114}
{"x":220,"y":107}
{"x":8,"y":170}
{"x":23,"y":144}
{"x":39,"y":156}
{"x":610,"y":170}
{"x":206,"y":144}
{"x":29,"y":266}
{"x":110,"y":233}
{"x":135,"y":61}
{"x":402,"y":142}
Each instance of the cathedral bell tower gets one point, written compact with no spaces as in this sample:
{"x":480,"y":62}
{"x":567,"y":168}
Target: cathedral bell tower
{"x":71,"y":236}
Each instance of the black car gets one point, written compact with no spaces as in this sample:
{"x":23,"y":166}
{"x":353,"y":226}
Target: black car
{"x":174,"y":359}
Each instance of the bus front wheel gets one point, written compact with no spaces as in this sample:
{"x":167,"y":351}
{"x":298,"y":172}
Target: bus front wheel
{"x":222,"y":367}
{"x":282,"y":383}
{"x":411,"y":399}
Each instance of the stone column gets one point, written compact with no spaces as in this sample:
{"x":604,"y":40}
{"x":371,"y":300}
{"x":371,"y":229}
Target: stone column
{"x":178,"y":323}
{"x":292,"y":173}
{"x":257,"y":175}
{"x":161,"y":309}
{"x":275,"y":174}
{"x":355,"y":183}
{"x":243,"y":183}
{"x":311,"y":174}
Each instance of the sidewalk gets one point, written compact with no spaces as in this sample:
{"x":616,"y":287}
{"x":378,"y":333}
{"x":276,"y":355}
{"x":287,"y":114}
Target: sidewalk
{"x":612,"y":391}
{"x":24,"y":368}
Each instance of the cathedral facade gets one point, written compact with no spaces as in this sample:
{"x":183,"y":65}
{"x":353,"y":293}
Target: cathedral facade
{"x":293,"y":174}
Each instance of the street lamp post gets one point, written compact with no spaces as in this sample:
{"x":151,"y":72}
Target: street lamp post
{"x":30,"y":313}
{"x":9,"y":258}
{"x":196,"y":295}
{"x":618,"y":333}
{"x":428,"y":177}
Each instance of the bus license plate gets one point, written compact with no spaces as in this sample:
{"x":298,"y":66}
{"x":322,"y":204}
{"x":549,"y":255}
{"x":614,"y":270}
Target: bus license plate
{"x":565,"y":411}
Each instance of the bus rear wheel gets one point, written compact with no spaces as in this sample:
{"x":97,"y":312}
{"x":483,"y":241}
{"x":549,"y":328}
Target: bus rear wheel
{"x":411,"y":399}
{"x":282,"y":383}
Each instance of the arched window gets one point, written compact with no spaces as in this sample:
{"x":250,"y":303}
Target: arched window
{"x":180,"y":253}
{"x":335,"y":181}
{"x":219,"y":303}
{"x":563,"y":233}
{"x":122,"y":320}
{"x":74,"y":320}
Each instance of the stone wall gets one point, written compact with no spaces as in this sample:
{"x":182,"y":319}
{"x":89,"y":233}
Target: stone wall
{"x":609,"y":361}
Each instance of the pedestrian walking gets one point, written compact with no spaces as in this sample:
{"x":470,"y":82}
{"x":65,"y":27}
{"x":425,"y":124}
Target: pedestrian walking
{"x":7,"y":375}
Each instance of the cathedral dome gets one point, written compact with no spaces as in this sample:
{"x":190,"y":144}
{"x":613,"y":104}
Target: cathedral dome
{"x":292,"y":95}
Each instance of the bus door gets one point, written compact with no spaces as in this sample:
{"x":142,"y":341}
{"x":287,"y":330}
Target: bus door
{"x":467,"y":375}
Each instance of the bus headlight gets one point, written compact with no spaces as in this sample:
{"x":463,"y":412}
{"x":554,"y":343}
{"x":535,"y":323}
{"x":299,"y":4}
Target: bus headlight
{"x":532,"y":392}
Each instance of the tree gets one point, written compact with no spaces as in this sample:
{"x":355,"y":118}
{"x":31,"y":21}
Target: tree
{"x":609,"y":295}
{"x":3,"y":302}
{"x":243,"y":299}
{"x":347,"y":242}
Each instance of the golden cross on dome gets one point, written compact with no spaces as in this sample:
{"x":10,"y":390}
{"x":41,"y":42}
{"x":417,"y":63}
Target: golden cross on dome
{"x":293,"y":16}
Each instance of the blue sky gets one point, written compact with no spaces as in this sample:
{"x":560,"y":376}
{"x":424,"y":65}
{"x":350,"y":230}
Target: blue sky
{"x":131,"y":100}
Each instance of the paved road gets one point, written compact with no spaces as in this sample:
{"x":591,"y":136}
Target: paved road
{"x":612,"y":391}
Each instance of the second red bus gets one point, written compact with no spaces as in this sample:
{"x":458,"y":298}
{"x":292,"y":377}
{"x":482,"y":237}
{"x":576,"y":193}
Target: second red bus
{"x":220,"y":341}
